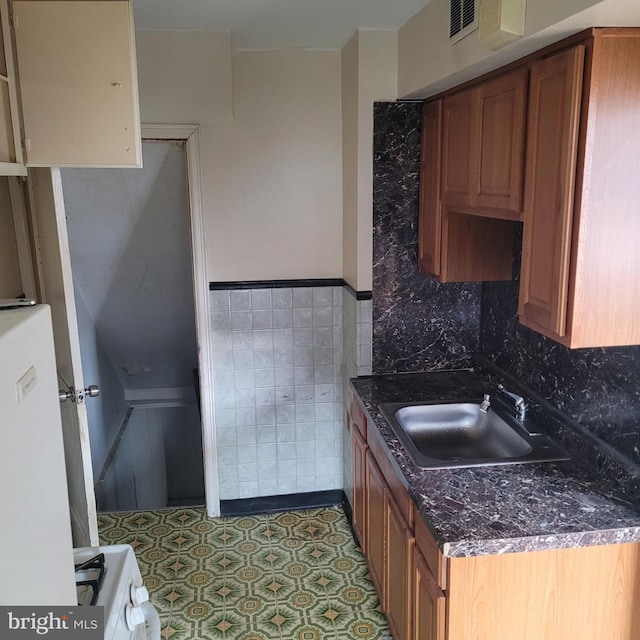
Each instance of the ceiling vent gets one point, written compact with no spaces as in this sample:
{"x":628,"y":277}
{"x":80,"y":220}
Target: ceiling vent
{"x":463,"y":19}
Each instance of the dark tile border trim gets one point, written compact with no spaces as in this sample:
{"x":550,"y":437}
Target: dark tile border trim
{"x":286,"y":284}
{"x":289,"y":502}
{"x":358,"y":295}
{"x":276,"y":284}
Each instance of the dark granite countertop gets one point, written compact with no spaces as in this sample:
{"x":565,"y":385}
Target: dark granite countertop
{"x":499,"y":509}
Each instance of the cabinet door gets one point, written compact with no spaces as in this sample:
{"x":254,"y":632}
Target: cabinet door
{"x":376,"y":526}
{"x":500,"y":112}
{"x":552,"y":141}
{"x":459,"y":142}
{"x":78,"y":82}
{"x":359,"y":487}
{"x":429,"y":228}
{"x":429,"y":607}
{"x":399,"y":587}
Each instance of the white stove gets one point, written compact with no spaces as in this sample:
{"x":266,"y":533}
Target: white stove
{"x":109,"y":576}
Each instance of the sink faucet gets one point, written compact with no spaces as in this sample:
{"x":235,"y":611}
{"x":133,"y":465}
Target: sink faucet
{"x":486,"y":403}
{"x":519,"y":403}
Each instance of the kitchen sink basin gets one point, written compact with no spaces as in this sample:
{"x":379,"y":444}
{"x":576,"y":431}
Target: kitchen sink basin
{"x":464,"y":434}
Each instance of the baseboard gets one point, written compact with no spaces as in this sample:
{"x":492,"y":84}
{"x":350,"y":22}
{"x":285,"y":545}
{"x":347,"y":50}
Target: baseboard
{"x":289,"y":502}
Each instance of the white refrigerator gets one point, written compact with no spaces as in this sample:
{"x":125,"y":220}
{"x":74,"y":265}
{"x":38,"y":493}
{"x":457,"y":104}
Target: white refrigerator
{"x":36,"y":550}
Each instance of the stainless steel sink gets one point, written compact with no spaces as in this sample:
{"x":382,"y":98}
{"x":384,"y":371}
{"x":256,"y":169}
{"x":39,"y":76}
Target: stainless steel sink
{"x":463,"y":434}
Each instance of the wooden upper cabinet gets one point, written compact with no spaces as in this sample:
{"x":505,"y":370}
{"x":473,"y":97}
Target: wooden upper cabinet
{"x":459,"y":140}
{"x":500,"y":110}
{"x":454,"y":246}
{"x":78,"y":82}
{"x":430,"y":223}
{"x":554,"y":117}
{"x":581,"y":266}
{"x":483,"y":146}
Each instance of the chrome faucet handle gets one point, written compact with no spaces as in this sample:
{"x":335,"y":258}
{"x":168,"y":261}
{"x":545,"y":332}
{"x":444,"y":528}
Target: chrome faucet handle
{"x":518,"y":401}
{"x":486,"y":403}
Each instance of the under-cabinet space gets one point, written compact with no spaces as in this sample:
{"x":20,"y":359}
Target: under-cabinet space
{"x":475,"y":249}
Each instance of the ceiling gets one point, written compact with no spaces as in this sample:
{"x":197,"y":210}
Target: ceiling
{"x":278,"y":24}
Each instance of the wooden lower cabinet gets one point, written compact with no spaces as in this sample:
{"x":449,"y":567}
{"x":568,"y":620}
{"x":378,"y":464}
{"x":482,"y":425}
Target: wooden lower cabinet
{"x":376,"y":529}
{"x":359,"y":488}
{"x":399,"y":581}
{"x":429,"y":603}
{"x":584,"y":593}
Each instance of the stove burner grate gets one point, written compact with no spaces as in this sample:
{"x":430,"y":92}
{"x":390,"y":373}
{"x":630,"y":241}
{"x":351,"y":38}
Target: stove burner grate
{"x":89,"y":577}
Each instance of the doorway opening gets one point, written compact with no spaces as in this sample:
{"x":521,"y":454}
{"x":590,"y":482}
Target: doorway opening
{"x":130,"y":240}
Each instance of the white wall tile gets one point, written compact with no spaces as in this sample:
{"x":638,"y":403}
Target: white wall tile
{"x":302,"y":318}
{"x":286,"y":486}
{"x":284,"y":377}
{"x":262,"y":319}
{"x":282,"y":318}
{"x":247,"y":489}
{"x":282,"y":298}
{"x":242,"y":340}
{"x":240,"y":300}
{"x":266,"y":452}
{"x":220,"y":300}
{"x":221,"y":320}
{"x":222,"y":360}
{"x":264,"y":358}
{"x":241,"y":321}
{"x":282,"y":358}
{"x":267,"y":471}
{"x":322,"y":296}
{"x":282,"y":338}
{"x":264,"y":378}
{"x":285,"y":396}
{"x":302,"y":337}
{"x":247,"y":473}
{"x":246,"y":417}
{"x":261,"y":298}
{"x":243,"y":359}
{"x":244,"y":378}
{"x":245,"y":398}
{"x":266,"y":434}
{"x":266,"y":415}
{"x":263,"y":339}
{"x":302,"y":297}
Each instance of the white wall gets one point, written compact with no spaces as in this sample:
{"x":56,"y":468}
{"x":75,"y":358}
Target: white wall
{"x":369,"y":74}
{"x":428,"y":64}
{"x":271,"y":164}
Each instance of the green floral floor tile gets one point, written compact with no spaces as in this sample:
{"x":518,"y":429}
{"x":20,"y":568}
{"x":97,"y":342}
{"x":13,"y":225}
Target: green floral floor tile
{"x":287,"y":576}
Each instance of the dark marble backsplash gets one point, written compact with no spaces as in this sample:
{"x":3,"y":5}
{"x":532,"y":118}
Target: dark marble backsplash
{"x":599,"y":388}
{"x":422,"y":325}
{"x":418,"y":323}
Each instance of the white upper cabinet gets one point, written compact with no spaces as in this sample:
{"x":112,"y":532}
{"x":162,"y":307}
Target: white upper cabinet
{"x":77,"y":81}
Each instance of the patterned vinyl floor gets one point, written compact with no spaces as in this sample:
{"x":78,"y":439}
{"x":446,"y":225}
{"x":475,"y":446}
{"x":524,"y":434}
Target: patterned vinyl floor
{"x":295,"y":575}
